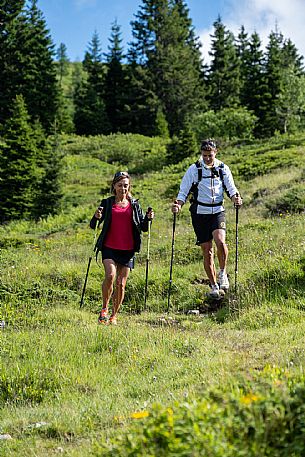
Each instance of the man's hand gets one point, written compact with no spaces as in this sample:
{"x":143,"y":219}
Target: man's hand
{"x":176,"y":206}
{"x":237,"y":200}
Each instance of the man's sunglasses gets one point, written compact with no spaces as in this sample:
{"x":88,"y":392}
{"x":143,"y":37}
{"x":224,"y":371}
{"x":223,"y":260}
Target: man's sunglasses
{"x":208,"y":145}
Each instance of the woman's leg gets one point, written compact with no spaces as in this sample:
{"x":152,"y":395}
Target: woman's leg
{"x":119,"y":292}
{"x":107,"y":286}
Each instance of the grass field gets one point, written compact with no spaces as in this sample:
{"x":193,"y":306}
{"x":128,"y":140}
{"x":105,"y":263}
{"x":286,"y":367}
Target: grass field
{"x":228,"y":382}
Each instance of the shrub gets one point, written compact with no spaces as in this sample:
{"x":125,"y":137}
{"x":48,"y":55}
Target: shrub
{"x":266,"y":418}
{"x":292,"y":201}
{"x":138,"y":153}
{"x":229,"y":123}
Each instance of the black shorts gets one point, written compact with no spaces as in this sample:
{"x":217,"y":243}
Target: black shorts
{"x":205,"y":224}
{"x":125,"y":258}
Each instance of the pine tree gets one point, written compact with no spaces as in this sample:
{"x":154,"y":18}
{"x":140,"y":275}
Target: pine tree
{"x":166,"y":51}
{"x":90,"y":117}
{"x":274,"y":81}
{"x":65,"y":107}
{"x":141,"y":104}
{"x":254,"y":85}
{"x":63,"y":62}
{"x":224,"y":74}
{"x":243,"y":52}
{"x":291,"y":106}
{"x":292,"y":97}
{"x":182,"y":145}
{"x":292,"y":57}
{"x":48,"y":188}
{"x":18,"y":165}
{"x":115,"y":83}
{"x":9,"y":12}
{"x":38,"y":74}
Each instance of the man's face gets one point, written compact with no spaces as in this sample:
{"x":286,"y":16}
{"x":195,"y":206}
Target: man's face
{"x":209,"y":156}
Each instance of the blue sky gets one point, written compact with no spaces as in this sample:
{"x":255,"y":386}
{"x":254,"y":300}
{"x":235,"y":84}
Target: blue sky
{"x":73,"y":22}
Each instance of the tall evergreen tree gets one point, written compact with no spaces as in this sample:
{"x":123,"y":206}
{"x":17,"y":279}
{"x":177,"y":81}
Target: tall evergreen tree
{"x":292,"y":97}
{"x":90,"y":117}
{"x":18,"y":171}
{"x":63,"y":62}
{"x":29,"y":169}
{"x":254,"y":85}
{"x":41,"y":90}
{"x":28,"y":66}
{"x":224,"y":75}
{"x":9,"y":12}
{"x":243,"y":51}
{"x":291,"y":106}
{"x":115,"y":83}
{"x":49,"y":163}
{"x":274,"y":80}
{"x":65,"y":111}
{"x":291,"y":56}
{"x":167,"y":51}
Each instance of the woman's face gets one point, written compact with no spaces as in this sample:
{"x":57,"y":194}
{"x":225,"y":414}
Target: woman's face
{"x":121,"y":188}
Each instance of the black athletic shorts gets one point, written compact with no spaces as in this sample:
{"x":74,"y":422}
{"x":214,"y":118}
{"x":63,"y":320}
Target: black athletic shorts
{"x":205,"y":224}
{"x":125,"y":258}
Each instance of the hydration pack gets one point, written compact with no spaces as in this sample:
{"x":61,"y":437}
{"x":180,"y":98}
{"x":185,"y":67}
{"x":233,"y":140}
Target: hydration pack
{"x":214,"y":174}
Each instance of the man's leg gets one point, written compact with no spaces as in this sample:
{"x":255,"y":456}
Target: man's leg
{"x":208,"y":261}
{"x":219,"y":236}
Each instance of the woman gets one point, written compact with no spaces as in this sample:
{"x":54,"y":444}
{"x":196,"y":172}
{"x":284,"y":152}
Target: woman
{"x":119,"y":239}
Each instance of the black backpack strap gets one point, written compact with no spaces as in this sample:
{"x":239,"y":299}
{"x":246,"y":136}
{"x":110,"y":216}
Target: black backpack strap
{"x":194,"y":188}
{"x":221,"y":174}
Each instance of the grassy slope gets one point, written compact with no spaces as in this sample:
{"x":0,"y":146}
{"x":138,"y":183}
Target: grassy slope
{"x":67,"y":384}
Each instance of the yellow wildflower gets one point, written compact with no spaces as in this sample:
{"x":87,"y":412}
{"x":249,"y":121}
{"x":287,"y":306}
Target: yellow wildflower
{"x":139,"y":414}
{"x":248,"y":399}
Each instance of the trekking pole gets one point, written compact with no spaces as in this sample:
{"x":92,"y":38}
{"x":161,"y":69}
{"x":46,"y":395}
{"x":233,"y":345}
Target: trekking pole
{"x":88,"y":267}
{"x":147,"y":259}
{"x":236,"y":246}
{"x":171,"y":264}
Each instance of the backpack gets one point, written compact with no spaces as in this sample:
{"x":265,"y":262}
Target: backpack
{"x":214,"y":173}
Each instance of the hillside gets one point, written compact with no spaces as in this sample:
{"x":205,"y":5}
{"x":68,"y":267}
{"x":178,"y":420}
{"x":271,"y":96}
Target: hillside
{"x":230,"y":381}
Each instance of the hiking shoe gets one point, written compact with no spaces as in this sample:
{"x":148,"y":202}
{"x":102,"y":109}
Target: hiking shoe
{"x":223,"y":280}
{"x":214,"y":292}
{"x":103,"y":317}
{"x":113,"y":320}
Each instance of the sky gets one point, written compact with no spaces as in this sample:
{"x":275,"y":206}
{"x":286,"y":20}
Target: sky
{"x":73,"y":22}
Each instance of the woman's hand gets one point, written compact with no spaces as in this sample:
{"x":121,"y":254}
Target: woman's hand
{"x":150,"y":213}
{"x":98,"y":213}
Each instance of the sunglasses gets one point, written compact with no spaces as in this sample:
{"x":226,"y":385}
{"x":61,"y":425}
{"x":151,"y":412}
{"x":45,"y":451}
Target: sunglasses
{"x":121,"y":173}
{"x":208,"y":145}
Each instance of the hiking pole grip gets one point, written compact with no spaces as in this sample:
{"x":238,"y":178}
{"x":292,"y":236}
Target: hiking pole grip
{"x":172,"y":261}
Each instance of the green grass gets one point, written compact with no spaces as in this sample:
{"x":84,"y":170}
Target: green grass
{"x":69,"y":386}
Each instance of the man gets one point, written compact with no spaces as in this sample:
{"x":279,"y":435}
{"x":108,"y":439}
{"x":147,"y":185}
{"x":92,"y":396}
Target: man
{"x":207,"y":179}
